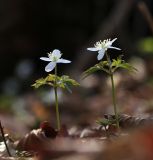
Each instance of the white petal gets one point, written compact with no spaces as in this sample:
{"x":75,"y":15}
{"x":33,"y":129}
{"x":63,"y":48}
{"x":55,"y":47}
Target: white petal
{"x":114,"y":48}
{"x":112,"y":41}
{"x":63,"y":61}
{"x":93,"y":49}
{"x":45,"y":59}
{"x":50,"y":66}
{"x":109,"y":43}
{"x":56,"y":53}
{"x":101,"y":54}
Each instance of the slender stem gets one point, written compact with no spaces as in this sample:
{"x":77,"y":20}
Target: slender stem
{"x":113,"y":90}
{"x":114,"y":101}
{"x":3,"y":136}
{"x":56,"y":101}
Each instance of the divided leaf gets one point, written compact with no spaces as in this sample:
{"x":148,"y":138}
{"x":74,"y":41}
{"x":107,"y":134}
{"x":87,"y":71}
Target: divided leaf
{"x":63,"y":82}
{"x":103,"y":66}
{"x":105,"y":122}
{"x":49,"y":80}
{"x":39,"y":82}
{"x":66,"y":83}
{"x":119,"y":63}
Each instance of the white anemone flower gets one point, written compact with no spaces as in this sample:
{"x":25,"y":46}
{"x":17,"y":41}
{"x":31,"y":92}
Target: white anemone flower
{"x":102,"y":46}
{"x":54,"y":58}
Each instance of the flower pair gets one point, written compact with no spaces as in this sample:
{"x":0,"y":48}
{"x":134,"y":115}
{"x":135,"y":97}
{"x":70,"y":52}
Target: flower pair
{"x":55,"y":56}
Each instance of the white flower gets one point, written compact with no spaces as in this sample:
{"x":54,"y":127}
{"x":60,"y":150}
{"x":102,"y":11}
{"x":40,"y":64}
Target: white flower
{"x":102,"y":46}
{"x":54,"y":58}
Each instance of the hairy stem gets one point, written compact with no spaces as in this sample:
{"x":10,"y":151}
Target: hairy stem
{"x":3,"y":136}
{"x":113,"y":90}
{"x":56,"y":101}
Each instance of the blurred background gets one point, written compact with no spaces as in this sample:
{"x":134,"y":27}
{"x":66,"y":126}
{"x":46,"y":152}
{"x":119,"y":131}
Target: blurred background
{"x":30,"y":29}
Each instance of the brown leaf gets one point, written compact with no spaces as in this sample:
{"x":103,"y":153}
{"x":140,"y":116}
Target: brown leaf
{"x":33,"y":141}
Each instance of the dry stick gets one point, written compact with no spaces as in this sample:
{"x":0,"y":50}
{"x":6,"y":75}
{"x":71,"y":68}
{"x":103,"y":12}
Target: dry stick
{"x":3,"y":136}
{"x":146,"y":14}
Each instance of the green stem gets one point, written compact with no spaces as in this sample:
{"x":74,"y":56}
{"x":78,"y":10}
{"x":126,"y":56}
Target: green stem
{"x":114,"y":101}
{"x":3,"y":136}
{"x":56,"y":101}
{"x":113,"y":90}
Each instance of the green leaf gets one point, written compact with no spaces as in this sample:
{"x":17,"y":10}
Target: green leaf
{"x":52,"y":77}
{"x":119,"y":63}
{"x":62,"y":82}
{"x":128,"y":67}
{"x":67,"y":87}
{"x":103,"y":66}
{"x":49,"y":80}
{"x":39,"y":82}
{"x":105,"y":122}
{"x":66,"y":83}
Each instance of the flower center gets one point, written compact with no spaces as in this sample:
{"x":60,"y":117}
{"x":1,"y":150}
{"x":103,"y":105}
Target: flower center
{"x":52,"y":58}
{"x":102,"y":44}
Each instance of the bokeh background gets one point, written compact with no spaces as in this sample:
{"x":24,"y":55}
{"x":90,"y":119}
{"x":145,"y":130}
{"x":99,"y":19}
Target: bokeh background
{"x":30,"y":29}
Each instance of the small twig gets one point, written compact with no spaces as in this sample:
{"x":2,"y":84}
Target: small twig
{"x":146,"y":14}
{"x":3,"y":136}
